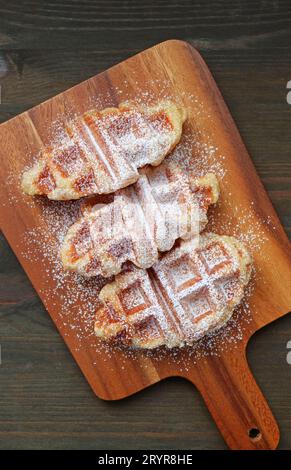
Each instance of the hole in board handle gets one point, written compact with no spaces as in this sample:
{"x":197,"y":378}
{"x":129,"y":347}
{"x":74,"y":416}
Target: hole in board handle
{"x":255,"y":434}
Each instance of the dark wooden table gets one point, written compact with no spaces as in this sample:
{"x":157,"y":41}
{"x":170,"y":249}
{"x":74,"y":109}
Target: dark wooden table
{"x":45,"y":48}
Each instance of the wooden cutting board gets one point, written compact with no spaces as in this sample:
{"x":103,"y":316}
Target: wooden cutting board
{"x":219,"y":367}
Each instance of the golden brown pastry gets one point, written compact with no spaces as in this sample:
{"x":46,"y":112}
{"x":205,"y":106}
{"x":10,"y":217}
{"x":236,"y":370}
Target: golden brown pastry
{"x":165,"y":204}
{"x":100,"y":152}
{"x":188,"y":293}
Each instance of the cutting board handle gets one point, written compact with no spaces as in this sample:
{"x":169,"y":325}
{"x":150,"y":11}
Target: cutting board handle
{"x":235,"y":401}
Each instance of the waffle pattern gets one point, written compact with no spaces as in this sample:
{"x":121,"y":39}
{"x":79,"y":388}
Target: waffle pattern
{"x":143,"y":220}
{"x":190,"y":292}
{"x":101,"y":152}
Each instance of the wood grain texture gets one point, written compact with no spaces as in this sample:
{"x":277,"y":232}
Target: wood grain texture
{"x":229,"y":390}
{"x":253,"y":43}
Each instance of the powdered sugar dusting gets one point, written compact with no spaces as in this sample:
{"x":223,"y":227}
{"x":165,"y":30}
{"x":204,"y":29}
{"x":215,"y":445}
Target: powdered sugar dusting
{"x":76,"y":298}
{"x":190,"y":291}
{"x":101,"y":151}
{"x":144,"y":219}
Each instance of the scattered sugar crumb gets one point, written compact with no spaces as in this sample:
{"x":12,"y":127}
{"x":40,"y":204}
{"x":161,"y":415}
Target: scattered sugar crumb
{"x":76,"y":298}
